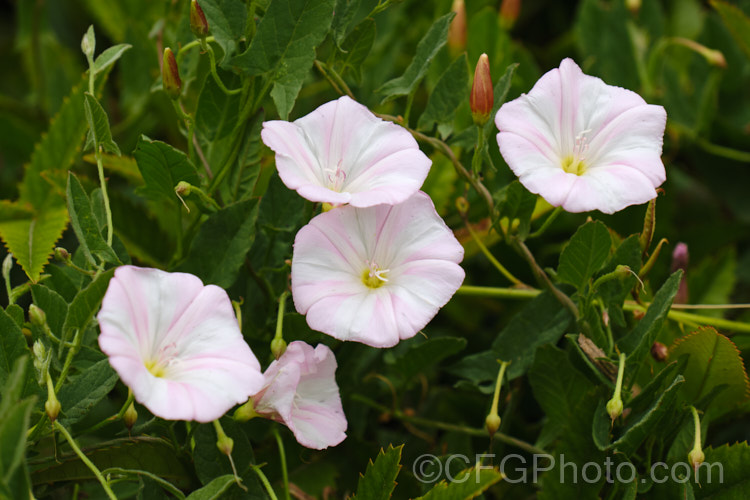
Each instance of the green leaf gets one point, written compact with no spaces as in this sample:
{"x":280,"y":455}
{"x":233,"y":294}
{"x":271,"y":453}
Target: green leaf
{"x":163,"y":167}
{"x":642,"y":337}
{"x":343,"y":14}
{"x":86,"y":303}
{"x":584,"y":254}
{"x":99,"y":133}
{"x":713,"y":361}
{"x":731,"y":482}
{"x":13,"y":426}
{"x":226,"y":21}
{"x":427,"y":48}
{"x":480,"y":369}
{"x":87,"y":389}
{"x":516,"y":203}
{"x":32,"y":240}
{"x":356,"y":47}
{"x":450,"y":91}
{"x":141,"y":453}
{"x":737,"y":22}
{"x":243,"y":178}
{"x":213,"y":490}
{"x":13,"y":387}
{"x":379,"y":479}
{"x":542,"y":321}
{"x":86,"y":226}
{"x":12,"y":345}
{"x":476,"y":482}
{"x":614,"y":292}
{"x":108,"y":57}
{"x":419,"y":358}
{"x":53,"y":305}
{"x":219,"y":249}
{"x":216,"y":118}
{"x":283,"y":48}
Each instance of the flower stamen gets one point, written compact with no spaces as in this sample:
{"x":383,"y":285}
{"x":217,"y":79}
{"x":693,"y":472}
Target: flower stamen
{"x":574,"y":164}
{"x":336,"y":178}
{"x":373,"y":276}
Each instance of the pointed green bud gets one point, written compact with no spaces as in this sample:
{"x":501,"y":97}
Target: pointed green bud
{"x":170,"y":75}
{"x":198,"y":22}
{"x":7,"y":266}
{"x":492,"y":423}
{"x":37,"y":317}
{"x":696,"y":456}
{"x":130,"y":416}
{"x":88,"y":43}
{"x":223,"y":442}
{"x":61,"y":254}
{"x":614,"y":407}
{"x":52,"y":405}
{"x":278,"y":347}
{"x":482,"y":98}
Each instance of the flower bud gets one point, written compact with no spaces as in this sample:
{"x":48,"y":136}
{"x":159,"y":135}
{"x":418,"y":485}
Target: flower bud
{"x":88,"y":43}
{"x":246,"y":411}
{"x":37,"y":317}
{"x":278,"y":347}
{"x":462,"y":205}
{"x":130,"y":416}
{"x":61,"y":254}
{"x":52,"y":405}
{"x":171,"y":75}
{"x":633,"y":6}
{"x":492,"y":423}
{"x":7,"y":266}
{"x":696,"y":456}
{"x":457,"y":30}
{"x":659,"y":352}
{"x":482,"y":98}
{"x":198,"y":22}
{"x":509,"y":11}
{"x":614,"y":407}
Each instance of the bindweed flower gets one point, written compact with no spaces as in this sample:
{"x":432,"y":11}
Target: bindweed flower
{"x":176,"y":344}
{"x":582,"y":144}
{"x":375,"y":275}
{"x":300,"y":391}
{"x":342,"y":153}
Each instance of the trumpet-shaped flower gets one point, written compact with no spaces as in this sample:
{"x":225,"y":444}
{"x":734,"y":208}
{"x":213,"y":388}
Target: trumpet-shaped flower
{"x":582,"y":144}
{"x":375,"y":275}
{"x":176,"y":344}
{"x":341,"y":153}
{"x":300,"y":391}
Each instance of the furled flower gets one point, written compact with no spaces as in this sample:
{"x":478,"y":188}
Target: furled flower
{"x":176,"y":344}
{"x":300,"y":391}
{"x":582,"y":144}
{"x":342,"y":153}
{"x":375,"y":275}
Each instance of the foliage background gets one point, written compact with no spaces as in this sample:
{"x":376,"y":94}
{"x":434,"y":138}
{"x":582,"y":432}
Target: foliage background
{"x":448,"y":378}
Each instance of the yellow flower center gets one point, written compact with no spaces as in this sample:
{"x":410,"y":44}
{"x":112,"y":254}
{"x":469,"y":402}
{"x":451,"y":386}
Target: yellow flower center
{"x":373,"y":276}
{"x":155,"y":368}
{"x":574,"y":164}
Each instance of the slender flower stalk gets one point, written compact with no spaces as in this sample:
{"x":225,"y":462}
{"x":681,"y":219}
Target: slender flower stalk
{"x":614,"y":405}
{"x":492,"y":422}
{"x":696,"y":455}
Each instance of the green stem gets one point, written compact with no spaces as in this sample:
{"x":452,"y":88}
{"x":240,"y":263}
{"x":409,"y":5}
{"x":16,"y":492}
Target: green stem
{"x":471,"y":431}
{"x":280,"y":316}
{"x":105,"y":196}
{"x":498,"y":292}
{"x":695,"y":319}
{"x":476,"y":160}
{"x":697,"y":422}
{"x":409,"y":102}
{"x":72,"y":351}
{"x":547,"y":223}
{"x":190,"y":45}
{"x":85,"y":460}
{"x":189,"y":123}
{"x":136,"y":472}
{"x":178,"y":228}
{"x":212,"y":57}
{"x":113,"y":418}
{"x":491,"y":257}
{"x":282,"y":457}
{"x":264,"y":480}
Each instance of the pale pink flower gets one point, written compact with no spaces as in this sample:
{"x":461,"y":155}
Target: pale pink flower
{"x":342,"y":153}
{"x":582,"y":144}
{"x":176,"y":344}
{"x":375,"y":275}
{"x":300,"y":391}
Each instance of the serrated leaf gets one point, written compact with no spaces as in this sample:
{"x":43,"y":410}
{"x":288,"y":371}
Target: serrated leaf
{"x":109,"y":56}
{"x":585,"y":254}
{"x":32,"y":240}
{"x":450,"y":91}
{"x":226,"y":21}
{"x":469,"y":484}
{"x":85,"y":391}
{"x":98,"y":122}
{"x":219,"y":249}
{"x":379,"y":479}
{"x":86,"y":303}
{"x":713,"y":361}
{"x":427,"y":48}
{"x":516,"y":203}
{"x":141,"y":453}
{"x":86,"y":226}
{"x":737,"y":22}
{"x":420,"y":357}
{"x":640,"y":339}
{"x":541,"y":321}
{"x":213,"y":490}
{"x":356,"y":47}
{"x":162,"y":168}
{"x":283,"y":48}
{"x":12,"y":345}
